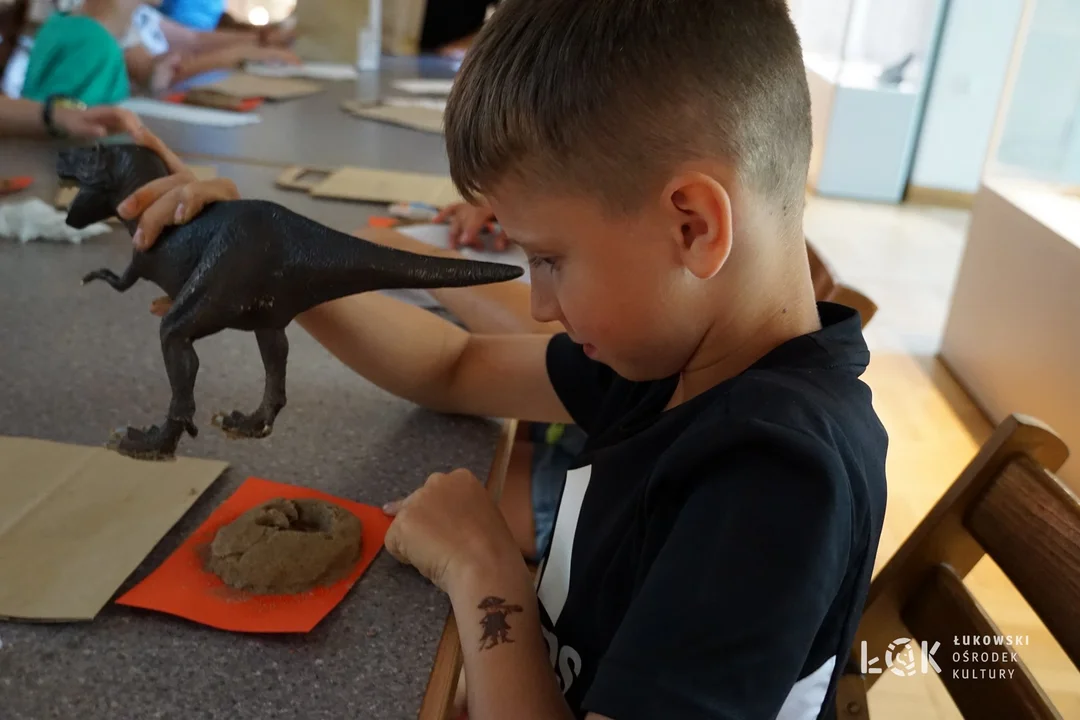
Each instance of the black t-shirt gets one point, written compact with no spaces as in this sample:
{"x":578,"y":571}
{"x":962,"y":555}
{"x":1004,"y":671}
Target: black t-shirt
{"x":712,"y":560}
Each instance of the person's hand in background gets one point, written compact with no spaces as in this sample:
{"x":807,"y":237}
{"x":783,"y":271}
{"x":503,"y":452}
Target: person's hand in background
{"x":467,"y":223}
{"x":95,"y":122}
{"x":254,"y":53}
{"x":165,"y":67}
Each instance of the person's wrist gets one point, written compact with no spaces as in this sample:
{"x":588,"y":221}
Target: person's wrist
{"x":486,"y":566}
{"x":58,"y":115}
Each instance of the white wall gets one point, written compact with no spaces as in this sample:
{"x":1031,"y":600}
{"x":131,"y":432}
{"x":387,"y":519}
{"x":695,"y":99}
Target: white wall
{"x":972,"y":63}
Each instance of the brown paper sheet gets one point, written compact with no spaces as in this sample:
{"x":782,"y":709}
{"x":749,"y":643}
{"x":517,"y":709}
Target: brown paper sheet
{"x":416,"y":118}
{"x":245,"y":85}
{"x":76,"y":521}
{"x":380,"y":186}
{"x":65,"y":194}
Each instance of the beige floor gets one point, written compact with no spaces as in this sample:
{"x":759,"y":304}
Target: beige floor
{"x":905,"y":258}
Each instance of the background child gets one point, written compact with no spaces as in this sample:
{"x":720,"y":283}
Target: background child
{"x":96,"y":53}
{"x":77,"y":55}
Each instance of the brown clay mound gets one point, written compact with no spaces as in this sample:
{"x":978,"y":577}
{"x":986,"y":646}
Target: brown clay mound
{"x":286,"y":546}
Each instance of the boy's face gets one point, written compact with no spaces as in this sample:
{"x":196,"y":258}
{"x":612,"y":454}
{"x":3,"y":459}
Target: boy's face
{"x":619,"y":284}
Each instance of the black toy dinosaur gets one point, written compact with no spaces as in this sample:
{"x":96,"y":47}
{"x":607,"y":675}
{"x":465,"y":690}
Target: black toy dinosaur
{"x":245,"y":265}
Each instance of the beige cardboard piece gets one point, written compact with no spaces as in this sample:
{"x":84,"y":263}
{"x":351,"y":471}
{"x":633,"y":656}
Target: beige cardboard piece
{"x":246,"y":85}
{"x":327,"y":30}
{"x":66,"y":193}
{"x":381,"y":186}
{"x":417,"y":118}
{"x":403,"y":22}
{"x":76,"y":521}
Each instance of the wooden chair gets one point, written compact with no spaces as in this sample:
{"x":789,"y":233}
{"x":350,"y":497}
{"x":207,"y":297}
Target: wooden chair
{"x":1007,"y":504}
{"x":828,"y":288}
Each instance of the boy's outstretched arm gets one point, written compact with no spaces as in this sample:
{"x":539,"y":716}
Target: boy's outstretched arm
{"x":423,"y":358}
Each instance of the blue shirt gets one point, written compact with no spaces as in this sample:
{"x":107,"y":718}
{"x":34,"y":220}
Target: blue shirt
{"x":195,"y":14}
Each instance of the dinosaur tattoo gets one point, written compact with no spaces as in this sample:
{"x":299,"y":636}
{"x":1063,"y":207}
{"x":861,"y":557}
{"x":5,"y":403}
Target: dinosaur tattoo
{"x":246,"y":265}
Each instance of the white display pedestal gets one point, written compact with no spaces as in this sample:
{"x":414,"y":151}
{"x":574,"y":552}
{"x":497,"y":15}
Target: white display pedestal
{"x":864,"y":132}
{"x":1012,"y":338}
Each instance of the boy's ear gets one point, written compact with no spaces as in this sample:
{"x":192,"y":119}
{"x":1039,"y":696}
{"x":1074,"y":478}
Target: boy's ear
{"x":701,"y":213}
{"x":89,"y":207}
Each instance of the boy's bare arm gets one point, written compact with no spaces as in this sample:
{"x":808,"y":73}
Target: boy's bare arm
{"x":423,"y":358}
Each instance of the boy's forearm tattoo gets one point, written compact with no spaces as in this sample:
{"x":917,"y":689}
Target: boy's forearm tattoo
{"x":495,"y":628}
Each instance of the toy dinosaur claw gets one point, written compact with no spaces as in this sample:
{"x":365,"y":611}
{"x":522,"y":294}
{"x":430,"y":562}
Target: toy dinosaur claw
{"x":237,"y":425}
{"x":153,"y":443}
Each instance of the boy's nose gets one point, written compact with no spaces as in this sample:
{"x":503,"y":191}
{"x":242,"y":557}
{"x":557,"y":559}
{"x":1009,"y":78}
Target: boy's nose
{"x":544,"y":304}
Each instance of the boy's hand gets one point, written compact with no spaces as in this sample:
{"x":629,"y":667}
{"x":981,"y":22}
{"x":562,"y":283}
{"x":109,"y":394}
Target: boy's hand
{"x":173,"y":199}
{"x":96,"y":122}
{"x":466,"y":224}
{"x":450,"y":531}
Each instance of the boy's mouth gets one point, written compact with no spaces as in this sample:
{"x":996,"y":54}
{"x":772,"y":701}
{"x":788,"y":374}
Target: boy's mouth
{"x":590,"y":350}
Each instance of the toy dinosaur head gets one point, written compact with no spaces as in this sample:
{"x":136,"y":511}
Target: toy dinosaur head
{"x":106,"y":174}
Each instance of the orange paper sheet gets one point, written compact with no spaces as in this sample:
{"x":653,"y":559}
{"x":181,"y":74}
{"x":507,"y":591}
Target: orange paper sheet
{"x":182,"y":586}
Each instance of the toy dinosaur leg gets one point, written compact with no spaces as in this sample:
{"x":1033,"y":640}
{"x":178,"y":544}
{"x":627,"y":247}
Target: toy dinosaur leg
{"x":180,"y":326}
{"x":120,"y":284}
{"x":274,"y":348}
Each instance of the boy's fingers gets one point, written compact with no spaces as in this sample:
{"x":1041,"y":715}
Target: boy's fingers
{"x":392,"y":543}
{"x":147,"y":139}
{"x":157,"y":217}
{"x":455,"y":231}
{"x":149,"y":194}
{"x":470,"y":234}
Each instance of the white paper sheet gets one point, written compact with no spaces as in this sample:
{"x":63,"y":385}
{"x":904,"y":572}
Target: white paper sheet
{"x":439,"y":236}
{"x":418,"y":102}
{"x":312,"y":70}
{"x":192,"y":114}
{"x":425,"y":86}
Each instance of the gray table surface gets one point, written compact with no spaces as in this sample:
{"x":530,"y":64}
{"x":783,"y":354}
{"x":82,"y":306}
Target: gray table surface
{"x":77,"y":361}
{"x":315,"y":131}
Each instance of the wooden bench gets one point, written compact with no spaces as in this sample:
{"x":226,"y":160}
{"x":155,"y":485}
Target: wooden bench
{"x":827,"y":288}
{"x":1007,"y":504}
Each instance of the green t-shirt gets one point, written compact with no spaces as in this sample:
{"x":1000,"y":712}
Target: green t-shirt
{"x":74,"y":56}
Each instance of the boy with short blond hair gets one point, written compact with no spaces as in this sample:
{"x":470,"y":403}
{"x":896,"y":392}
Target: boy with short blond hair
{"x":715,"y":540}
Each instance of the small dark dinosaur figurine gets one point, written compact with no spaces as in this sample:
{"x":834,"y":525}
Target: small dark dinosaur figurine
{"x":246,"y":265}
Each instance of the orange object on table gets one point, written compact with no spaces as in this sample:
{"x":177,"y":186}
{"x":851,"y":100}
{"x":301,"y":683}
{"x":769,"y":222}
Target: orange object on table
{"x":381,"y":221}
{"x":15,"y":184}
{"x":214,"y":100}
{"x":182,"y":586}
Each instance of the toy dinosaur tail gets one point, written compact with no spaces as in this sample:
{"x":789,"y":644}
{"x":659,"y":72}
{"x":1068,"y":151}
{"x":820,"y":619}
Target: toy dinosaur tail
{"x":391,"y":269}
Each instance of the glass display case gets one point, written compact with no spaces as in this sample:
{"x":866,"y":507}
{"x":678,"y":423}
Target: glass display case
{"x":1011,"y":336}
{"x":1037,"y":135}
{"x":868,"y":64}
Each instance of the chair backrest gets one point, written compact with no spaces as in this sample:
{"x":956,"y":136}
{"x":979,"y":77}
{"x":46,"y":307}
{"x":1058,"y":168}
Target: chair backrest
{"x":13,"y":16}
{"x":1007,"y":504}
{"x":827,"y":288}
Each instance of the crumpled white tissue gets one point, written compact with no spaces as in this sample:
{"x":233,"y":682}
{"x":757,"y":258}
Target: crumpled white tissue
{"x":35,"y":219}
